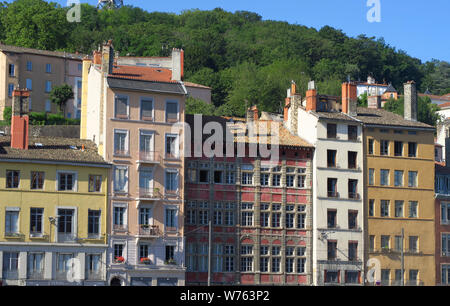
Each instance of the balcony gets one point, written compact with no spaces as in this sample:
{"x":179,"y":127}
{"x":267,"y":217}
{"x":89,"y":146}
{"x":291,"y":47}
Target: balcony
{"x":333,"y":194}
{"x":149,"y":194}
{"x":124,"y":153}
{"x":149,"y":157}
{"x":149,"y":231}
{"x":354,"y":196}
{"x":120,"y":228}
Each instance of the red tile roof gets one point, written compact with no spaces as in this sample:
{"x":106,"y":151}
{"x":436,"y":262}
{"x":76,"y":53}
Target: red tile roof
{"x":447,"y":104}
{"x":142,"y":73}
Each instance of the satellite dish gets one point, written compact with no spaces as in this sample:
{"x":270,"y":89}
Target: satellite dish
{"x":110,"y":3}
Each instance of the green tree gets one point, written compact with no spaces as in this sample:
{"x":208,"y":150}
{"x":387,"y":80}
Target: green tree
{"x":60,"y":95}
{"x":197,"y":106}
{"x":426,"y":110}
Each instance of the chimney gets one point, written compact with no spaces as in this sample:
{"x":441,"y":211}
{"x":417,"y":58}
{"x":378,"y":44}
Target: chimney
{"x":107,"y":57}
{"x":177,"y":64}
{"x":349,"y":98}
{"x":410,"y":102}
{"x":286,"y":109}
{"x":447,"y":152}
{"x":97,"y":57}
{"x":249,"y":115}
{"x":19,"y":119}
{"x":311,"y":97}
{"x":374,"y":102}
{"x":255,"y":112}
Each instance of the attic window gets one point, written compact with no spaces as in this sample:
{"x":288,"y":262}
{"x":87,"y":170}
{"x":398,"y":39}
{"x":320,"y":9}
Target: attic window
{"x":159,"y":70}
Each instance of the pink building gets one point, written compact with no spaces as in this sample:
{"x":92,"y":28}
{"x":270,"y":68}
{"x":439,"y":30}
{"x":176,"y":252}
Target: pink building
{"x":131,"y":113}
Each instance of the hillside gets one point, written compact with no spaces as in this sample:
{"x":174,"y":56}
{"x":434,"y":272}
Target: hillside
{"x":239,"y":55}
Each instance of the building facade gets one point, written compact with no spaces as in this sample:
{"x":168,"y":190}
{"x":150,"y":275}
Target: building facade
{"x":442,"y":213}
{"x":338,"y":227}
{"x":259,"y":209}
{"x":53,"y":207}
{"x":399,"y":167}
{"x":39,"y":71}
{"x":132,"y":113}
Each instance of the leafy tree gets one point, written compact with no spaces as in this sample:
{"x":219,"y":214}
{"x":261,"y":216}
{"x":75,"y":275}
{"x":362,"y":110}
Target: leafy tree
{"x":426,"y":110}
{"x":196,"y":106}
{"x":60,"y":95}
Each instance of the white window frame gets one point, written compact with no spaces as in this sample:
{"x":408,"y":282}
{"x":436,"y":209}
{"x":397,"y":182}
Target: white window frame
{"x":75,"y":180}
{"x":127,"y":140}
{"x":125,"y":189}
{"x":125,"y":214}
{"x":165,"y":109}
{"x":176,"y":154}
{"x":146,"y":98}
{"x":175,"y":220}
{"x":118,"y":96}
{"x":74,"y":220}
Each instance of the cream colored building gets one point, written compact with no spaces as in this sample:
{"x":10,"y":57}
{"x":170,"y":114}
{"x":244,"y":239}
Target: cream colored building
{"x":39,"y":71}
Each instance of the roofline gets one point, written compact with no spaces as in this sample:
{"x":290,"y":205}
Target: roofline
{"x":71,"y":56}
{"x":399,"y":126}
{"x":149,"y":90}
{"x":57,"y":162}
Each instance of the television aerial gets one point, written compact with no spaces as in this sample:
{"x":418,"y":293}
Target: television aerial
{"x":110,"y":3}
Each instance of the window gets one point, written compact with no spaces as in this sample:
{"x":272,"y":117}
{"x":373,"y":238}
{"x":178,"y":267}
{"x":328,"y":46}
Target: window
{"x":331,"y":276}
{"x":11,"y":221}
{"x":48,"y":68}
{"x":95,"y":183}
{"x":229,"y":174}
{"x":66,"y":181}
{"x":370,"y":146}
{"x":35,"y":269}
{"x":353,"y":251}
{"x":385,"y":277}
{"x":172,"y":146}
{"x":143,"y":251}
{"x":10,"y":89}
{"x":10,"y":265}
{"x":65,"y":220}
{"x":331,"y":218}
{"x":332,"y":188}
{"x":119,"y":217}
{"x":352,"y":277}
{"x":445,"y":246}
{"x":36,"y":215}
{"x":352,"y":219}
{"x":412,"y":149}
{"x":229,"y":258}
{"x":276,"y":261}
{"x":203,"y":213}
{"x":398,"y":209}
{"x":276,"y":180}
{"x":247,"y":214}
{"x":29,"y":83}
{"x":121,"y":107}
{"x":301,"y":179}
{"x":352,"y":132}
{"x":94,"y":223}
{"x":11,"y":70}
{"x":93,"y":266}
{"x":147,"y":109}
{"x":413,"y":244}
{"x":331,"y":130}
{"x":171,"y":112}
{"x":384,"y":177}
{"x":331,"y":158}
{"x":229,"y":214}
{"x":48,"y":86}
{"x":371,"y":176}
{"x":118,"y":250}
{"x":413,"y":277}
{"x":413,"y":209}
{"x":385,"y":242}
{"x":247,"y":178}
{"x":290,"y":180}
{"x":121,"y":142}
{"x":171,"y":184}
{"x":353,"y":189}
{"x":203,"y":176}
{"x":120,"y":179}
{"x":29,"y":66}
{"x":301,"y":216}
{"x":445,"y":275}
{"x":246,"y":258}
{"x":398,"y":148}
{"x":384,"y":208}
{"x":170,"y":220}
{"x":445,"y":213}
{"x":264,"y":260}
{"x":352,"y":157}
{"x":332,"y":249}
{"x":398,"y":178}
{"x":80,"y":67}
{"x":398,"y":243}
{"x":276,"y":219}
{"x":48,"y":106}
{"x":371,"y":207}
{"x":37,"y":180}
{"x":412,"y":178}
{"x":218,"y":177}
{"x":384,"y":147}
{"x":371,"y":243}
{"x":12,"y":178}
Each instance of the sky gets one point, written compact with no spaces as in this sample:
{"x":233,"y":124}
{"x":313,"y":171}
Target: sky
{"x":420,"y":28}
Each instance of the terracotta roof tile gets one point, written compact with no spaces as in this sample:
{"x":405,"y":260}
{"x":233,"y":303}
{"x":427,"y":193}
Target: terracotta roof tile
{"x":142,"y":73}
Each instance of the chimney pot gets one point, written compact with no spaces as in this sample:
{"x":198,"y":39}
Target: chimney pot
{"x":410,"y":101}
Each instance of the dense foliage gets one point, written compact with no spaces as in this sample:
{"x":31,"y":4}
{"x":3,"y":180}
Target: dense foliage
{"x":426,"y":111}
{"x":40,"y":118}
{"x":239,"y":55}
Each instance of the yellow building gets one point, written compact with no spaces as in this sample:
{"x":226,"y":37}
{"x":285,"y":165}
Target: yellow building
{"x":399,"y":182}
{"x":53,"y":213}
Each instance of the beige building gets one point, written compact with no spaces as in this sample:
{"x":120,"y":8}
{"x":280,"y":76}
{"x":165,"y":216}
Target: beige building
{"x":131,"y":113}
{"x":39,"y":71}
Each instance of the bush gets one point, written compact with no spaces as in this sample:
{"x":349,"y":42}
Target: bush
{"x":7,"y":113}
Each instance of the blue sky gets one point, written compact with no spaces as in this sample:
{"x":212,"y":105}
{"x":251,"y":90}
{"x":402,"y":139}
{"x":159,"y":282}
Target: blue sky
{"x":421,"y":28}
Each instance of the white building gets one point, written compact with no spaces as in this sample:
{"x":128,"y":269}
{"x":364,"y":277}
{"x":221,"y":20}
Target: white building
{"x":338,"y":246}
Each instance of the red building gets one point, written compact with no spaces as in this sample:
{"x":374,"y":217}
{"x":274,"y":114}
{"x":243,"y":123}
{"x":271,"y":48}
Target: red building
{"x":442,"y":213}
{"x":259,"y":206}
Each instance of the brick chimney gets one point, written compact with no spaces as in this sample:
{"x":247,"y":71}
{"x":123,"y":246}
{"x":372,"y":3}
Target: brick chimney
{"x":19,"y":119}
{"x":107,"y":57}
{"x":349,"y":98}
{"x":374,"y":102}
{"x":97,"y":55}
{"x":410,"y":102}
{"x":311,"y":97}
